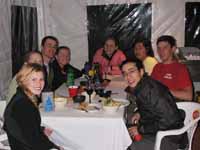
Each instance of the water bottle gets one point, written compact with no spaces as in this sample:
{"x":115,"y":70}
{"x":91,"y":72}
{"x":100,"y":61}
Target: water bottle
{"x":48,"y":104}
{"x":70,"y":77}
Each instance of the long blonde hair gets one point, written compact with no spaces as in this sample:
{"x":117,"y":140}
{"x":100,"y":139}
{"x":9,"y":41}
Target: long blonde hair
{"x":24,"y":74}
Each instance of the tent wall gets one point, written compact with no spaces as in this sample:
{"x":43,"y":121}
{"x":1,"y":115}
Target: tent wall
{"x":5,"y":47}
{"x":67,"y":20}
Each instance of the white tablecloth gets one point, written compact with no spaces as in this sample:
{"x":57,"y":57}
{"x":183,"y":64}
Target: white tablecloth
{"x":93,"y":130}
{"x":89,"y":131}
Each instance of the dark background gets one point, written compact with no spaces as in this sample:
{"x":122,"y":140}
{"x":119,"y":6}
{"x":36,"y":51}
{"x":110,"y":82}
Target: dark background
{"x":124,"y":22}
{"x":24,"y":34}
{"x":192,"y":24}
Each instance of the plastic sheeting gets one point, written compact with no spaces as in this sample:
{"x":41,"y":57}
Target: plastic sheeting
{"x":68,"y":21}
{"x":192,"y":21}
{"x":125,"y":22}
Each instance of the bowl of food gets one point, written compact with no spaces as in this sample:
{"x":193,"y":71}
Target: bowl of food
{"x":110,"y":109}
{"x":79,"y":98}
{"x":60,"y":102}
{"x":110,"y":106}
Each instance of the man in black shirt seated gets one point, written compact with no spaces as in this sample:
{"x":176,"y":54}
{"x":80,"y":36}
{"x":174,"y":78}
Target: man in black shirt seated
{"x":157,"y":110}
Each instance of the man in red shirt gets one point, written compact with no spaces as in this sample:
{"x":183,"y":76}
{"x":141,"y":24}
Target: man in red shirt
{"x":170,"y":72}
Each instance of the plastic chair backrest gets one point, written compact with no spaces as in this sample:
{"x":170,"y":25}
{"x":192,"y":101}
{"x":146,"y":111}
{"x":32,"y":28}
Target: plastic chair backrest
{"x":189,"y":108}
{"x":3,"y":135}
{"x":2,"y":107}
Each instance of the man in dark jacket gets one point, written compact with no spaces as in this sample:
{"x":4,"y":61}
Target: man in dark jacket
{"x":49,"y":45}
{"x":157,"y":109}
{"x":61,"y":66}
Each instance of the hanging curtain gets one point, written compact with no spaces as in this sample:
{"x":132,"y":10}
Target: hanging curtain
{"x":24,"y":33}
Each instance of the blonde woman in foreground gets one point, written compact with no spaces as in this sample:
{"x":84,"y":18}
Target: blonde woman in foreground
{"x":22,"y":117}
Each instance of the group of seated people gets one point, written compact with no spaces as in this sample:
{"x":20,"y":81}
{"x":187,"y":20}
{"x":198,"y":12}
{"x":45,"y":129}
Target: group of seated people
{"x":155,"y":86}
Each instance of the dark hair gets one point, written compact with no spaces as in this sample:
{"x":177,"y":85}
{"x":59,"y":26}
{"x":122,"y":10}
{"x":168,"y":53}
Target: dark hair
{"x":113,"y":39}
{"x":49,"y":37}
{"x":136,"y":62}
{"x":28,"y":55}
{"x":167,"y":38}
{"x":147,"y":44}
{"x":61,"y":47}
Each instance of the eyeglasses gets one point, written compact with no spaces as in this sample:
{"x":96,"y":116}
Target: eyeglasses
{"x":131,"y":72}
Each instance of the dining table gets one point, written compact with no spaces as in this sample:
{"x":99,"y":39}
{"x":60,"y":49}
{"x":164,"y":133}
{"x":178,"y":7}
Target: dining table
{"x":88,"y":130}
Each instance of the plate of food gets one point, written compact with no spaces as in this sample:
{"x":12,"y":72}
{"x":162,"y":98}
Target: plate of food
{"x":115,"y":102}
{"x":86,"y":107}
{"x":111,"y":105}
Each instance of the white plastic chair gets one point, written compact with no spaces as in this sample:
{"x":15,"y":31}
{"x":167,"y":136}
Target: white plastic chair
{"x":190,"y":124}
{"x":3,"y":135}
{"x":2,"y":107}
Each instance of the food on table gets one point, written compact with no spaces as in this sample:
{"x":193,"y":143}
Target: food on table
{"x":83,"y":106}
{"x":88,"y":107}
{"x":110,"y":102}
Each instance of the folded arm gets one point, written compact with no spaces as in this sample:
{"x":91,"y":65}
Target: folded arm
{"x":184,"y":94}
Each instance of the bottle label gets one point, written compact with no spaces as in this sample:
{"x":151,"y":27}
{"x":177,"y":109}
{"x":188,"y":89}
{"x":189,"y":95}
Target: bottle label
{"x":47,"y":101}
{"x":70,"y":78}
{"x":48,"y":104}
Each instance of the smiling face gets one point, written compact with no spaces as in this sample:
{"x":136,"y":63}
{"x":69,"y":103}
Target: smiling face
{"x":131,"y":74}
{"x":110,"y":46}
{"x":165,"y":51}
{"x":49,"y":48}
{"x":35,"y":83}
{"x":30,"y":79}
{"x":63,"y":57}
{"x":140,"y":51}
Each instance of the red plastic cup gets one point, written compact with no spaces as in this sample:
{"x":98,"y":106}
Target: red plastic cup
{"x":73,"y":91}
{"x":138,"y":137}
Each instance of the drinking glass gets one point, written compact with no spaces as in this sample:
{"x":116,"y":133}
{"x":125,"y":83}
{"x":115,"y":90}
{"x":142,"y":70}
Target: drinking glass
{"x":89,"y":92}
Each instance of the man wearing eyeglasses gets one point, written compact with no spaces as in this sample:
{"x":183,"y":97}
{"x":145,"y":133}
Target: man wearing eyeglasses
{"x":156,"y":111}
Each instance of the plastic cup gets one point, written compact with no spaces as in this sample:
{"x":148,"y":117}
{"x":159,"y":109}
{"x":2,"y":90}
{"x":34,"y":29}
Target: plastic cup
{"x":73,"y":91}
{"x":138,"y":137}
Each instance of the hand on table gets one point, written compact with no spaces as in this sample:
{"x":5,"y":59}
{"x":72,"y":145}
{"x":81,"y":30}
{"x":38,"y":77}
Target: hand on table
{"x":48,"y":131}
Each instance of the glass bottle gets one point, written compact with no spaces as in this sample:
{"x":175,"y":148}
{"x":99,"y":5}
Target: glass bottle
{"x":70,"y":77}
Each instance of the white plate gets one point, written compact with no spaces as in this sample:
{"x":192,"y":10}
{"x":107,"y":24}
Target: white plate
{"x":123,"y":102}
{"x":90,"y":108}
{"x":114,"y":109}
